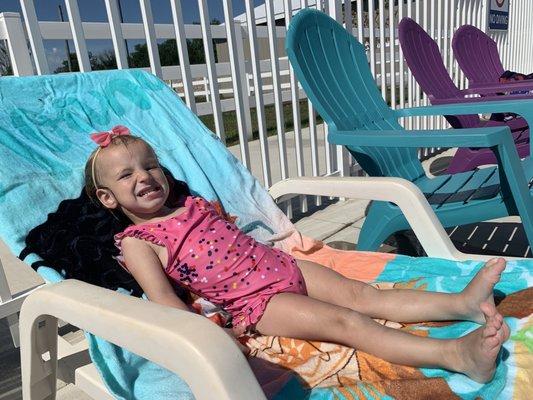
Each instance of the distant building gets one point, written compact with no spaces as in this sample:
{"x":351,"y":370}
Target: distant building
{"x":279,"y":16}
{"x":279,"y":13}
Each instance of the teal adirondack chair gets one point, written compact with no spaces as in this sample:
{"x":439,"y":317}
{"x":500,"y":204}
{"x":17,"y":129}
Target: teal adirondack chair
{"x":333,"y":70}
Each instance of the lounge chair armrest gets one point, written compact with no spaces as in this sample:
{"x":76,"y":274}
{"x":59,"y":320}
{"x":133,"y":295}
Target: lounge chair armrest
{"x":401,"y":192}
{"x":476,"y":100}
{"x":523,"y":83}
{"x":499,"y":87}
{"x":521,"y":107}
{"x":187,"y":344}
{"x":405,"y":194}
{"x":472,"y":137}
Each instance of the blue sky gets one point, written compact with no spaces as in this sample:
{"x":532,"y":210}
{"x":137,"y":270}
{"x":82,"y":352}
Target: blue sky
{"x":94,"y":11}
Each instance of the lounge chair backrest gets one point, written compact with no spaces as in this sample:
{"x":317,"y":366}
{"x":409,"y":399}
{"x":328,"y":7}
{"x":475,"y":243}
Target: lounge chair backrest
{"x":333,"y":69}
{"x":45,"y":123}
{"x":477,"y":55}
{"x":424,"y":59}
{"x":44,"y":142}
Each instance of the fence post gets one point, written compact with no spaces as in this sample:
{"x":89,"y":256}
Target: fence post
{"x":78,"y":36}
{"x":11,"y":29}
{"x":212,"y":74}
{"x":276,"y":86}
{"x":115,"y":25}
{"x":183,"y":54}
{"x":239,"y":42}
{"x":151,"y":39}
{"x":34,"y":34}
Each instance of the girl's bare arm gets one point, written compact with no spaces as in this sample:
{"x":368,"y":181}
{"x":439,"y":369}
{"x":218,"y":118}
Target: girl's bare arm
{"x":146,"y":268}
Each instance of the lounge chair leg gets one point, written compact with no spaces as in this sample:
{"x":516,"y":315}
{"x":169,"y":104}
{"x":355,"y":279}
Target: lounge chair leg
{"x":13,"y":322}
{"x":513,"y":180}
{"x":38,"y":356}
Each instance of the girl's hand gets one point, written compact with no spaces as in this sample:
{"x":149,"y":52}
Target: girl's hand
{"x":245,"y":350}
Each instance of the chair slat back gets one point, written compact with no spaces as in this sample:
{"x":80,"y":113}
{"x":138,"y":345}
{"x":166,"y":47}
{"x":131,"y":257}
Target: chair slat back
{"x":333,"y":69}
{"x":424,"y":59}
{"x":477,"y":55}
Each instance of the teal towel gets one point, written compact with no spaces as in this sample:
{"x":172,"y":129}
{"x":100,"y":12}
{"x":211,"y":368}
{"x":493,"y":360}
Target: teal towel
{"x":45,"y":122}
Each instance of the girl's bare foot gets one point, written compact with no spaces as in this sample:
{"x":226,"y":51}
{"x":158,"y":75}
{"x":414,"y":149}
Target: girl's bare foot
{"x":479,"y":290}
{"x":476,"y":353}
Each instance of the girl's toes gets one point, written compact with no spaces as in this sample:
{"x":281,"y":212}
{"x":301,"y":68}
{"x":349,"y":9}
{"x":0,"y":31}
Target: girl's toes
{"x":489,"y":331}
{"x":504,"y":332}
{"x":488,"y":309}
{"x":500,"y":266}
{"x":491,"y":343}
{"x":497,"y":321}
{"x":495,"y":267}
{"x":492,"y":261}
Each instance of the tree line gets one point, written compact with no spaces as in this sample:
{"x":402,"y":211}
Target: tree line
{"x":138,"y":57}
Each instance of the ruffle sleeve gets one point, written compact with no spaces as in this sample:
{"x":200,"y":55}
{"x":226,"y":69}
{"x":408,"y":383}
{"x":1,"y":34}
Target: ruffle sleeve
{"x":144,"y":233}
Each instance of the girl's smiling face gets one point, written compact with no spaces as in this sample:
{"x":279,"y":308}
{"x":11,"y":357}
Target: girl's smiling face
{"x":130,"y":178}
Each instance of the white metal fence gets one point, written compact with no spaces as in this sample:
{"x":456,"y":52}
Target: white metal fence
{"x":248,"y":82}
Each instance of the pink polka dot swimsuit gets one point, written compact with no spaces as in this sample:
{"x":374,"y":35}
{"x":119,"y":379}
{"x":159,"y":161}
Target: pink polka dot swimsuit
{"x":212,"y":258}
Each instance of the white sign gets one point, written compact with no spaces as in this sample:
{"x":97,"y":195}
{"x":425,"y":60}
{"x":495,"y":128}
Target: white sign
{"x":499,"y":14}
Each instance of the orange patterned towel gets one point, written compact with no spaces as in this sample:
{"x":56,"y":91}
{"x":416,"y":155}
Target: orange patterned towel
{"x":331,"y":371}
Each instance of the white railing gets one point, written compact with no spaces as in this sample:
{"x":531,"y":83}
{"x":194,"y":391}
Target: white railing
{"x":245,"y":81}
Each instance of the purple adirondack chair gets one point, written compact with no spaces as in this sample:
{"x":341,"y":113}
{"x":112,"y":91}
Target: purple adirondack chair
{"x":478,"y":57}
{"x":423,"y":57}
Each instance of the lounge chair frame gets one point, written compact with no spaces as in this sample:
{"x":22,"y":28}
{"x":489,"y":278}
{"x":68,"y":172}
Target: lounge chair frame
{"x":209,"y":361}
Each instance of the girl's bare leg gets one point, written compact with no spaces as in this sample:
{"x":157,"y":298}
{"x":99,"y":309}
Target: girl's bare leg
{"x":404,"y":305}
{"x":298,"y":316}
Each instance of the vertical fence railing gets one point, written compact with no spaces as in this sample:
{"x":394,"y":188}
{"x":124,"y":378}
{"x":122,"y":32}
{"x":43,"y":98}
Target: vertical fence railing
{"x":119,"y":45}
{"x":295,"y":97}
{"x":211,"y":69}
{"x":236,"y":67}
{"x":183,"y":53}
{"x":323,"y":5}
{"x":78,"y":35}
{"x":392,"y":53}
{"x":278,"y":102}
{"x":241,"y":77}
{"x":341,"y":155}
{"x":258,"y":93}
{"x":151,"y":40}
{"x":34,"y":34}
{"x":313,"y":134}
{"x":296,"y":118}
{"x":12,"y":32}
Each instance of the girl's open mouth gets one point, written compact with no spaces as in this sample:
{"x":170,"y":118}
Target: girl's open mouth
{"x":150,"y":192}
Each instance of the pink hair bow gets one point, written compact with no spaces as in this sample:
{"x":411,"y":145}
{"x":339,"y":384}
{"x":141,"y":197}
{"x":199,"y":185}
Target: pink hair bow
{"x":103,"y":139}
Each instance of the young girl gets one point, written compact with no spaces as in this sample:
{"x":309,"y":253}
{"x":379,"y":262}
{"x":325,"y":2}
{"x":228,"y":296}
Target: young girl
{"x":268,"y":291}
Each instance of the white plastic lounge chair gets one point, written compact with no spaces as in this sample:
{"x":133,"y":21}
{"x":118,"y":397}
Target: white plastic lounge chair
{"x":209,"y":361}
{"x":17,"y":280}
